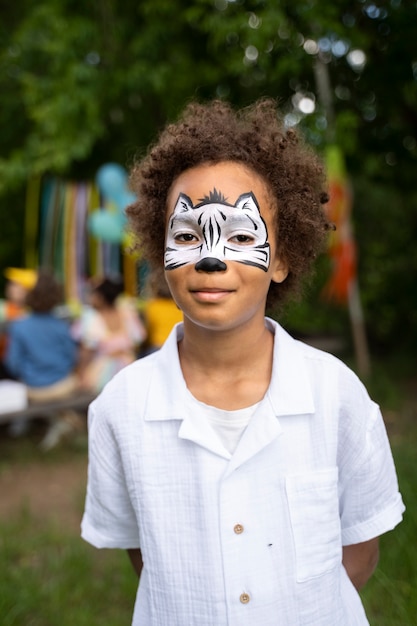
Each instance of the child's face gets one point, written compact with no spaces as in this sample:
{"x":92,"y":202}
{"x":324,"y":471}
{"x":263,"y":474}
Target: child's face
{"x":15,"y":292}
{"x":221,"y":252}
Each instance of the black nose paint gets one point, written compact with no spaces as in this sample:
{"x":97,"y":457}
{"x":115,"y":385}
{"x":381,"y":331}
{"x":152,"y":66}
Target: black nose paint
{"x":210,"y":264}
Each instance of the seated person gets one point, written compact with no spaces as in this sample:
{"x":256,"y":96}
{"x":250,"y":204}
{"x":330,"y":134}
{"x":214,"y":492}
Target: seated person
{"x":19,"y":281}
{"x":41,"y":352}
{"x":109,"y":332}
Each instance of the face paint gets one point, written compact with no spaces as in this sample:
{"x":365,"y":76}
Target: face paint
{"x":217,"y":230}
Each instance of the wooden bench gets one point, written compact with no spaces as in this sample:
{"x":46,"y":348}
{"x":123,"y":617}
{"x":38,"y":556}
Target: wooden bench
{"x":77,"y":402}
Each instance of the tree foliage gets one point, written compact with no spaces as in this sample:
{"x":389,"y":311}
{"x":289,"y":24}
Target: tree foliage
{"x":85,"y":83}
{"x":78,"y":79}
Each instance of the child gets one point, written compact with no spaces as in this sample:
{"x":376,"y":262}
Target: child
{"x":19,"y":282}
{"x":42,"y":354}
{"x":247,"y":474}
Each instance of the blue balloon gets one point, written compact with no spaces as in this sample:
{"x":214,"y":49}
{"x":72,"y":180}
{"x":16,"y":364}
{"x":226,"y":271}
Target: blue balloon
{"x":106,"y":225}
{"x":111,"y":180}
{"x":124,"y":199}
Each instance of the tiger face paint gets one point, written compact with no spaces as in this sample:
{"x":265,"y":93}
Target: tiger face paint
{"x":213,"y":232}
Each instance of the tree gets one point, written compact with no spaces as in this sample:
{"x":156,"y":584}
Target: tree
{"x":78,"y":79}
{"x":85,"y":83}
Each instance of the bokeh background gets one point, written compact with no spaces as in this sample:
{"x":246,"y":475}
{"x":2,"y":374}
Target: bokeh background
{"x":84,"y":84}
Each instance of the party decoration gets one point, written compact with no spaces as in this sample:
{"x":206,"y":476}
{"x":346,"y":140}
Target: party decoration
{"x":111,"y":181}
{"x":108,"y":222}
{"x":342,"y":247}
{"x":77,"y":229}
{"x":106,"y":225}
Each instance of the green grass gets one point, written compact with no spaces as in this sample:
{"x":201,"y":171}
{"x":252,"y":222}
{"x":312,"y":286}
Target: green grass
{"x":50,"y":578}
{"x":49,"y":575}
{"x":390,"y":596}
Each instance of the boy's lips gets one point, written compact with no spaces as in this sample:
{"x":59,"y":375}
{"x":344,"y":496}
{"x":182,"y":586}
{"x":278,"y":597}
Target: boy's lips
{"x":211,"y":294}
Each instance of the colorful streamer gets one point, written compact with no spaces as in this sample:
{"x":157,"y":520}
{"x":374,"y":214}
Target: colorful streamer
{"x":31,"y":222}
{"x":57,"y":236}
{"x":342,"y":248}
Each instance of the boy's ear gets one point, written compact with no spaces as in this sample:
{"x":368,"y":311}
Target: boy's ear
{"x":280,"y":270}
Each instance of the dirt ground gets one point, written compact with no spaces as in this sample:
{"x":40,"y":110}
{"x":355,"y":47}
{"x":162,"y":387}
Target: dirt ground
{"x":51,"y":486}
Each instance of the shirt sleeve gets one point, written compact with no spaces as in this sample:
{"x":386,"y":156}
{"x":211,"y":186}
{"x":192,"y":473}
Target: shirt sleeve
{"x":370,"y":501}
{"x":109,"y":520}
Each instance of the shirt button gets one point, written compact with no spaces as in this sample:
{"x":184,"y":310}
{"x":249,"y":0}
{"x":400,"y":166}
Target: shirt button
{"x":244,"y":598}
{"x":238,"y":529}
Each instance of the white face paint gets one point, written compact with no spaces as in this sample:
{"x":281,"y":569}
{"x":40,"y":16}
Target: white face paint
{"x":217,"y":230}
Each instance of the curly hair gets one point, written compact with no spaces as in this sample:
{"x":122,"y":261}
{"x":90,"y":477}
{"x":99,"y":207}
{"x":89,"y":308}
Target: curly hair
{"x":46,"y":294}
{"x":257,"y":138}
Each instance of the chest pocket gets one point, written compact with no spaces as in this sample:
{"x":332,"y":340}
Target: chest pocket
{"x":314,"y":512}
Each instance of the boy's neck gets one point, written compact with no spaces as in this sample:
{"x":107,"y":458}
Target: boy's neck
{"x":228,"y":369}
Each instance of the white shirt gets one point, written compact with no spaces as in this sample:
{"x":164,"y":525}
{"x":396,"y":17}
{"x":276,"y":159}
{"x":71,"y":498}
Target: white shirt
{"x":254,"y":537}
{"x":228,"y":425}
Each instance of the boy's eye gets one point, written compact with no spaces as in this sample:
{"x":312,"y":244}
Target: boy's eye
{"x":241,"y":238}
{"x":185,"y":237}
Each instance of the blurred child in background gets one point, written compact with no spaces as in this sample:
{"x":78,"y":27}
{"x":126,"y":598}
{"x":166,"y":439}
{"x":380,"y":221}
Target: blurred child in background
{"x":42,"y":354}
{"x":19,"y":282}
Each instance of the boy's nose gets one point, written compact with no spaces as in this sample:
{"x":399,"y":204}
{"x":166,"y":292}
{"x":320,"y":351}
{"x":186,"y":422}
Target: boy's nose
{"x":210,"y":264}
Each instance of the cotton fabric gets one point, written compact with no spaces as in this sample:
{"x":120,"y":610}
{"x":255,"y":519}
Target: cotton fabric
{"x":253,"y":537}
{"x":229,"y":426}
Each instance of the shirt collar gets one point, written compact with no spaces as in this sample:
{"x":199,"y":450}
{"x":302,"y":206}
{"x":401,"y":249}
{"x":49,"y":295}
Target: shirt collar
{"x":167,"y":390}
{"x":289,"y":392}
